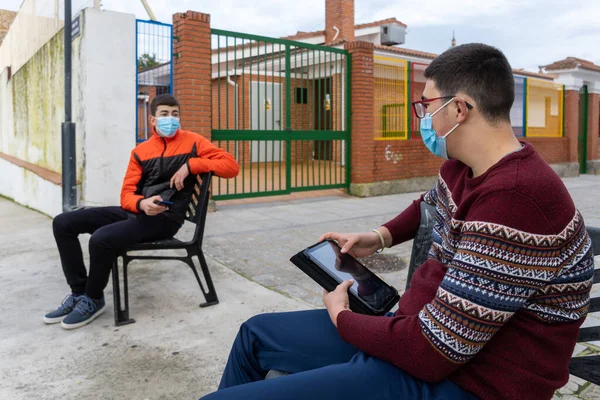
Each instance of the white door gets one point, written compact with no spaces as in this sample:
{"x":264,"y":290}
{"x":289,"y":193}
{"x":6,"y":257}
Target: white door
{"x":266,"y":116}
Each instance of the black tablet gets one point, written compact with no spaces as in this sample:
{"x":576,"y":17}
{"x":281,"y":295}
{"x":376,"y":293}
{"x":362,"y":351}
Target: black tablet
{"x":325,"y":263}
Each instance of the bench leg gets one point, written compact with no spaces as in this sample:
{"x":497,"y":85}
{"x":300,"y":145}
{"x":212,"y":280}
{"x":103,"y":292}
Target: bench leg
{"x":121,"y":313}
{"x":211,"y":295}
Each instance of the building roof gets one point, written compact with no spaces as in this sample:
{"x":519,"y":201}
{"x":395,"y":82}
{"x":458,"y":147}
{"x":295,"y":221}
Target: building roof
{"x":570,"y":63}
{"x":407,"y":52}
{"x":431,"y":56}
{"x":521,"y":71}
{"x":6,"y":18}
{"x":307,"y":35}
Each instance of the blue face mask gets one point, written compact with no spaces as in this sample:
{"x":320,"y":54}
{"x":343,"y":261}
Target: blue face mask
{"x":436,"y":144}
{"x":167,"y":126}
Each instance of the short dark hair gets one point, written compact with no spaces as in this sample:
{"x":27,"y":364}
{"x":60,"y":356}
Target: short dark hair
{"x":480,"y":71}
{"x":163,"y":100}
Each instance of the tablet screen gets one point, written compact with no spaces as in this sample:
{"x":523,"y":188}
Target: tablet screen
{"x":368,"y":286}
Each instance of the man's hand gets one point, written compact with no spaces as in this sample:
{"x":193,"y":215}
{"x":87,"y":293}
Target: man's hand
{"x":150,"y":208}
{"x":179,"y":177}
{"x":356,"y":244}
{"x":337,"y":301}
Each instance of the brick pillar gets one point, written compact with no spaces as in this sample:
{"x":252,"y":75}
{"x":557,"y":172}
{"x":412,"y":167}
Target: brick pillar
{"x":593,"y":126}
{"x":192,"y":75}
{"x":572,"y":122}
{"x":362,"y":118}
{"x":339,"y":14}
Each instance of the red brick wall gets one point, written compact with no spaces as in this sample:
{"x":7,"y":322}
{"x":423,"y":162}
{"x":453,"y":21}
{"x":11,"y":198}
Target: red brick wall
{"x":192,"y":72}
{"x":571,"y":124}
{"x":404,"y":159}
{"x":362,"y":129}
{"x":552,"y":150}
{"x":339,"y":13}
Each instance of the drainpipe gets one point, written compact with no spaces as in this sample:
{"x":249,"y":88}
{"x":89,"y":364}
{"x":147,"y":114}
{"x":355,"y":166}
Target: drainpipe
{"x":69,"y":167}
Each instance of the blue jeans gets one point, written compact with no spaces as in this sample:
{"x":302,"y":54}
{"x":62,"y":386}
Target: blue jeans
{"x":322,"y":366}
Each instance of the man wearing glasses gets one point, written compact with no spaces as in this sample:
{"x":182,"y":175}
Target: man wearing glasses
{"x":493,"y":313}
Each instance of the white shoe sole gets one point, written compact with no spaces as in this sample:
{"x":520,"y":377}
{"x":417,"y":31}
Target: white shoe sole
{"x":56,"y":320}
{"x":83,"y":323}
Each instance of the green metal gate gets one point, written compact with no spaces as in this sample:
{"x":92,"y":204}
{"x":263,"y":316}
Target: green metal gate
{"x":282,"y":108}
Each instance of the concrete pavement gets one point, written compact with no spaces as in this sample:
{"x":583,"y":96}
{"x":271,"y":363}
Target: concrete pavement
{"x":176,"y":350}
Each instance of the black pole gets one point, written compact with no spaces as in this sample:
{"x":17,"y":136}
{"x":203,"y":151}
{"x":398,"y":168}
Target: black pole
{"x":69,"y":167}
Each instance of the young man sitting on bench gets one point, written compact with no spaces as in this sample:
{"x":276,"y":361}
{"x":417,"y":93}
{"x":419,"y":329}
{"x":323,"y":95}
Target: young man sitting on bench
{"x":494,"y":312}
{"x":156,"y":191}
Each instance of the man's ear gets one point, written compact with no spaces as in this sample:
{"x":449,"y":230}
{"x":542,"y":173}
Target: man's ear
{"x":461,"y":109}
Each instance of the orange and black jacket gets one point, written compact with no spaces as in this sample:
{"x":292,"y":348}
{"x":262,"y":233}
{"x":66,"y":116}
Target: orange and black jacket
{"x":154,"y":162}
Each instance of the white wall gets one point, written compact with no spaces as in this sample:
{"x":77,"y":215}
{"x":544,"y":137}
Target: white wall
{"x":104,"y":110}
{"x":28,"y":188}
{"x":109,"y":103}
{"x":6,"y":111}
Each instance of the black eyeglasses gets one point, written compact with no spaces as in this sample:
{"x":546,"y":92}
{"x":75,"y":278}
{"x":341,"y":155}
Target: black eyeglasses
{"x":420,"y":107}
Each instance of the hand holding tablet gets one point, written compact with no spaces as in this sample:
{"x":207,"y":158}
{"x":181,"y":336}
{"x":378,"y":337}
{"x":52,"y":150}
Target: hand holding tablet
{"x":328,"y":266}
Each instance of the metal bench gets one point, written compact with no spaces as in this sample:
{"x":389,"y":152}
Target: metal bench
{"x":195,"y":214}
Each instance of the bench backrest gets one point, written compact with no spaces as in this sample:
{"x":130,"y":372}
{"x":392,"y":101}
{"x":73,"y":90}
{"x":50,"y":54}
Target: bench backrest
{"x":423,"y":240}
{"x":198,"y":205}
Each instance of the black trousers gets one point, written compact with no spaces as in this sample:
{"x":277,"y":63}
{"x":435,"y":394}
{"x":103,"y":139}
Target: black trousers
{"x":112,"y":229}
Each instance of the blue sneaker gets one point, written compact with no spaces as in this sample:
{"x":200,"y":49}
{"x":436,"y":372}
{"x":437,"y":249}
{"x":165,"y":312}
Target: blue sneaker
{"x":67,"y":305}
{"x":84,"y":312}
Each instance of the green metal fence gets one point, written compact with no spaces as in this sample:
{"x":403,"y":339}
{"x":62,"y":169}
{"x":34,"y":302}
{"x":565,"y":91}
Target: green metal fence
{"x":282,"y":108}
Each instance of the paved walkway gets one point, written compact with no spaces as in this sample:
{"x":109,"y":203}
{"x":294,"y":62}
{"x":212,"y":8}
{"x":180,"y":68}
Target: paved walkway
{"x":176,"y":350}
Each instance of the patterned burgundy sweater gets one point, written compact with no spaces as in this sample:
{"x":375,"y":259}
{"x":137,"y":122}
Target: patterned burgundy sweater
{"x":497,"y":306}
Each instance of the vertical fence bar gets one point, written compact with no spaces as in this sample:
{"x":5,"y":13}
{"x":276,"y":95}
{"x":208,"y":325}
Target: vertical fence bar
{"x":227,"y":82}
{"x":331,"y":119}
{"x":250,"y":114}
{"x":219,"y":80}
{"x":321,"y":115}
{"x":281,"y":121}
{"x":338,"y":124}
{"x":288,"y":120}
{"x":311,"y":162}
{"x":348,"y":120}
{"x":236,"y":106}
{"x":219,"y":94}
{"x":294,"y":143}
{"x":243,"y":143}
{"x":172,"y":70}
{"x":266,"y":117}
{"x":260,"y":126}
{"x":226,"y":183}
{"x":243,"y":87}
{"x":273,"y":114}
{"x":342,"y":114}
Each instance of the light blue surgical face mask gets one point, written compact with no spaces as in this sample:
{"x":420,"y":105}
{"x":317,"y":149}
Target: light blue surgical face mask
{"x":436,"y":144}
{"x":167,"y":126}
